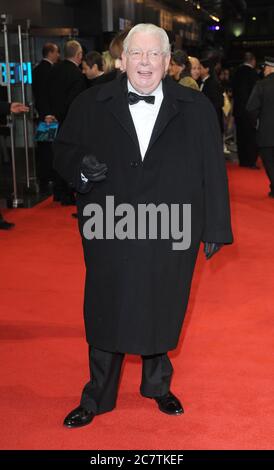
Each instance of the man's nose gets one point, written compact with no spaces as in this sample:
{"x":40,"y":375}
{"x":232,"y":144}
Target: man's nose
{"x":145,"y":58}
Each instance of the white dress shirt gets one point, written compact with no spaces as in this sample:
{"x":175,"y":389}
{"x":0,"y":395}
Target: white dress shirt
{"x":144,"y":116}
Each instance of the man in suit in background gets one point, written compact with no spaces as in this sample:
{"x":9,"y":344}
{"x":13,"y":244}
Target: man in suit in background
{"x":243,"y":83}
{"x":211,"y":88}
{"x":65,"y":83}
{"x":6,"y":108}
{"x":260,"y":108}
{"x":40,"y":79}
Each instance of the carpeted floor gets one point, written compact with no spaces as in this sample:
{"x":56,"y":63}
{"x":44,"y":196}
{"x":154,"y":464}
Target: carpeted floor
{"x":223,"y":366}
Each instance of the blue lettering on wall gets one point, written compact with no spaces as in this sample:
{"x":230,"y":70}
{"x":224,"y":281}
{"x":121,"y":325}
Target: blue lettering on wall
{"x":15,"y":73}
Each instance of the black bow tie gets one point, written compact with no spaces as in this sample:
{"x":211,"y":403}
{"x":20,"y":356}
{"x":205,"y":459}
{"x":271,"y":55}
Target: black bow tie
{"x":133,"y":98}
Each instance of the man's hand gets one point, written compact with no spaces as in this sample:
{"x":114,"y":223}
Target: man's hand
{"x":17,"y":108}
{"x":211,"y":248}
{"x":92,"y":169}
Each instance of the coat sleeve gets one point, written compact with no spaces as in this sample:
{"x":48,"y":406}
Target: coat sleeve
{"x":70,"y":145}
{"x":4,"y":108}
{"x":217,"y":222}
{"x":254,"y":104}
{"x":77,"y":87}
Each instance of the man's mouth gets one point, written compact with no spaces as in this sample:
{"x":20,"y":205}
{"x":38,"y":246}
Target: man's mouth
{"x":144,"y":74}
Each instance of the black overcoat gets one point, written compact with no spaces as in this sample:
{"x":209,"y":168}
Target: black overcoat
{"x":66,"y":81}
{"x":4,"y":108}
{"x":137,"y":291}
{"x":40,"y":81}
{"x":260,"y":107}
{"x":212,"y":89}
{"x":243,"y":83}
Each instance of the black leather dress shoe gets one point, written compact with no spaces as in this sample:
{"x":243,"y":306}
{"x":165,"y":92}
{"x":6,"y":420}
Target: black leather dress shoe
{"x":4,"y":225}
{"x":169,"y":404}
{"x":78,"y":417}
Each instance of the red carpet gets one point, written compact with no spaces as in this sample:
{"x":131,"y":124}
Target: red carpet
{"x":223,"y":366}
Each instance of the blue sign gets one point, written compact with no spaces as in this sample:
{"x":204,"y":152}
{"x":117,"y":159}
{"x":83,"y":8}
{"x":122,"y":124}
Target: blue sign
{"x":15,"y":73}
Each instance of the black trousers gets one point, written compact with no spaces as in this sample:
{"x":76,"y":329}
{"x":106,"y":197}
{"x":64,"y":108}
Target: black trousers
{"x":100,"y":393}
{"x":44,"y":162}
{"x":267,"y":154}
{"x":246,"y":141}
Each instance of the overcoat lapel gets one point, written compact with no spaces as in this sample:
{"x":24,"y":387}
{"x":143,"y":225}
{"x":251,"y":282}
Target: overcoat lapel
{"x":118,"y":106}
{"x":169,"y":109}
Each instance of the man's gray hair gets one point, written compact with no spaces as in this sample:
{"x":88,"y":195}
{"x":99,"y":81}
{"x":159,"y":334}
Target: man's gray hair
{"x":149,"y":28}
{"x":71,"y":48}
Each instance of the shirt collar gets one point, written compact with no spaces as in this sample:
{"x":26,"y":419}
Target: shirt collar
{"x":45,"y":58}
{"x":75,"y":63}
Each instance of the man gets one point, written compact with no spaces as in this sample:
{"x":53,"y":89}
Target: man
{"x":40,"y":80}
{"x":137,"y":288}
{"x":65,"y":83}
{"x":243,"y":83}
{"x":93,"y":69}
{"x":260,"y":108}
{"x":6,"y":108}
{"x":211,"y":88}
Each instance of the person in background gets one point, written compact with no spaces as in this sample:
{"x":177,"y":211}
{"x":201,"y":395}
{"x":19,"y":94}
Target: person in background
{"x":195,"y":69}
{"x":224,"y":79}
{"x":212,"y":89}
{"x":40,"y":79}
{"x":179,"y":69}
{"x":225,"y":82}
{"x":93,"y":69}
{"x":7,"y":108}
{"x":243,"y":83}
{"x":116,"y":49}
{"x":260,"y":108}
{"x":66,"y":81}
{"x":108,"y":62}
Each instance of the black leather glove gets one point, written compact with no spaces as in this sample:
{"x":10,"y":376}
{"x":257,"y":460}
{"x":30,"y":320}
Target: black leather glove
{"x":91,"y":171}
{"x":211,"y":248}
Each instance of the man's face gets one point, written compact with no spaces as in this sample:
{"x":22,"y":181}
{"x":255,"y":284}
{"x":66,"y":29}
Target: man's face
{"x":204,"y":71}
{"x":268,"y":70}
{"x":55,"y":55}
{"x":254,"y":63}
{"x":89,"y":72}
{"x":79,"y":56}
{"x":145,"y":62}
{"x":174,"y":70}
{"x":195,"y":68}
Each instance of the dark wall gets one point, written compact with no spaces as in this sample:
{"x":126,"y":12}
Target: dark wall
{"x":85,"y":15}
{"x":22,"y":9}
